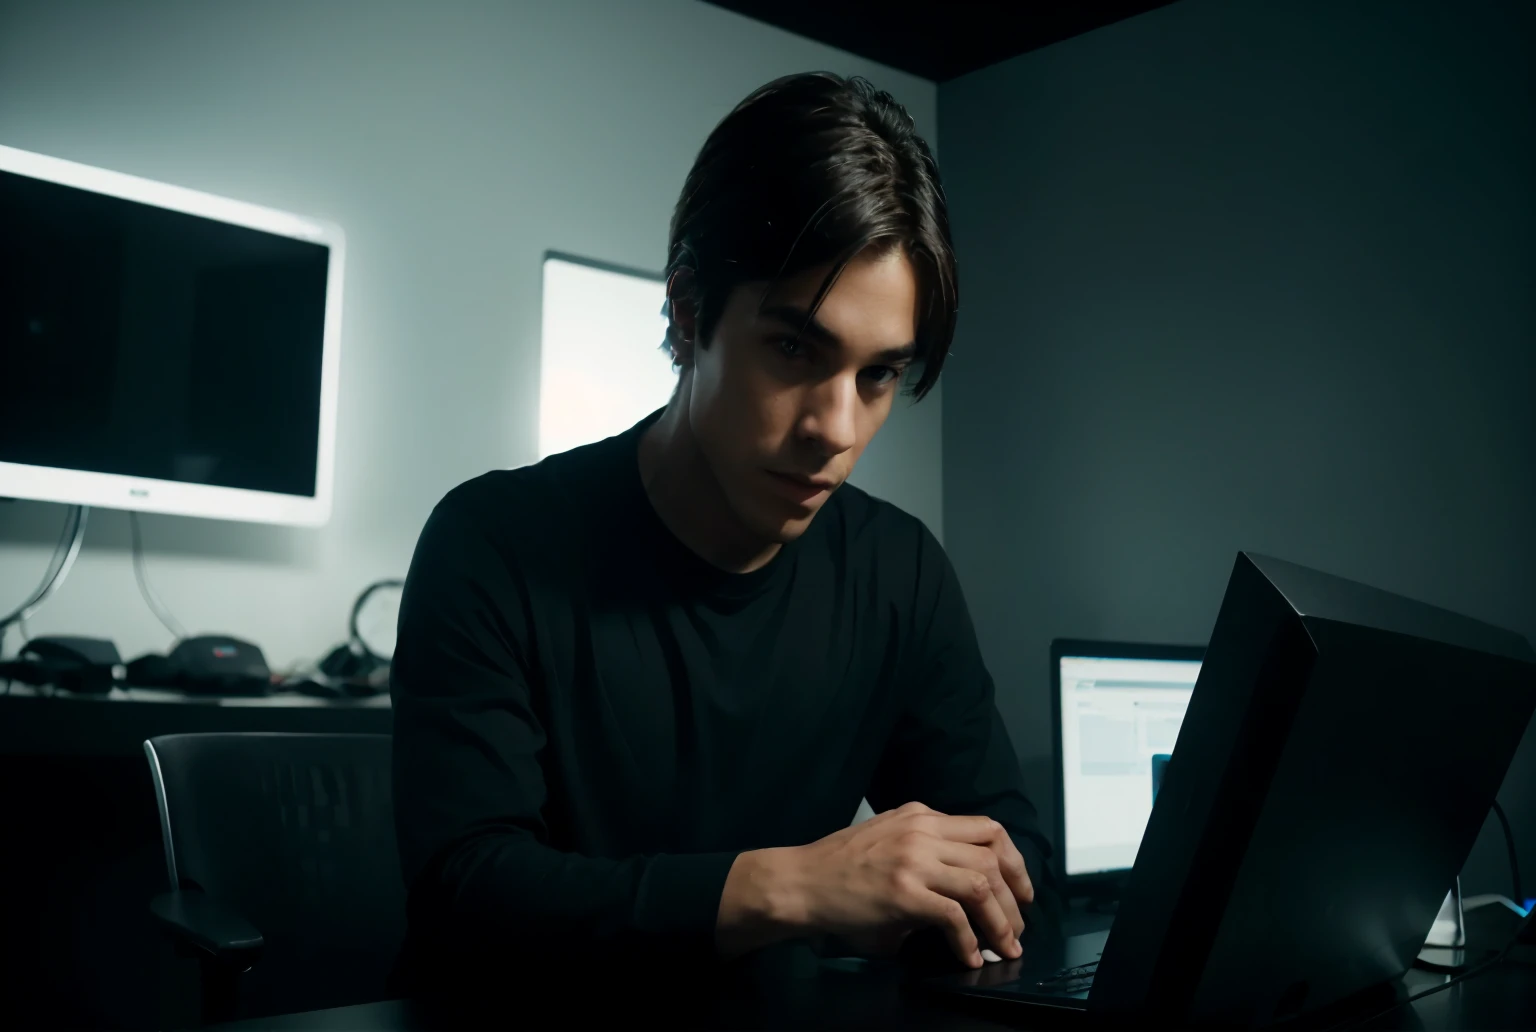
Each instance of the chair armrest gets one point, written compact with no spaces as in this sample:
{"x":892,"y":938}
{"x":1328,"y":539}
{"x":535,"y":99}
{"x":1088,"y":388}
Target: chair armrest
{"x":193,"y":918}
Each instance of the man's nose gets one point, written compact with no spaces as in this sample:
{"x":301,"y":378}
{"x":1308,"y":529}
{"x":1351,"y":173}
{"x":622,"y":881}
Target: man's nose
{"x":831,"y":415}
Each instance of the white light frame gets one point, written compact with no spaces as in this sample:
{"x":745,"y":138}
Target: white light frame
{"x":601,"y":368}
{"x":115,"y":491}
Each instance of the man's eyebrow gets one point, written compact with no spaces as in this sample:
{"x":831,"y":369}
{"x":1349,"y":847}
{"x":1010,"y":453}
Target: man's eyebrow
{"x":804,"y":323}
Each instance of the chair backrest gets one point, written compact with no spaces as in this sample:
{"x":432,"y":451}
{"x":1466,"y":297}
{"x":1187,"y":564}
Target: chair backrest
{"x":296,"y":834}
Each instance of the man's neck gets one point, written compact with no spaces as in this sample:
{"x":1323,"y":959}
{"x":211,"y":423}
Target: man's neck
{"x":688,"y":499}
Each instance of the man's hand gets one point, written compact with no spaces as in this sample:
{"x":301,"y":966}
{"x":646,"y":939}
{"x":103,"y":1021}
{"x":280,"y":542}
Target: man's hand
{"x":875,"y":883}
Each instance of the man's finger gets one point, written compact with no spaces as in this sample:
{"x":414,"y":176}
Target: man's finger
{"x":984,"y":831}
{"x":914,"y":810}
{"x":1014,"y":871}
{"x":974,"y":891}
{"x":978,"y":831}
{"x":983,"y":859}
{"x":946,"y":913}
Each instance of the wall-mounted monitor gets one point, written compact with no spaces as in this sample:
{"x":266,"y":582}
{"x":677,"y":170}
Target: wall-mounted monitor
{"x":162,"y":349}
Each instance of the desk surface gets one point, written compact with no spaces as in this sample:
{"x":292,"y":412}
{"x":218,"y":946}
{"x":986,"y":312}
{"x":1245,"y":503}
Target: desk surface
{"x":799,"y":991}
{"x":117,"y":724}
{"x":873,"y":998}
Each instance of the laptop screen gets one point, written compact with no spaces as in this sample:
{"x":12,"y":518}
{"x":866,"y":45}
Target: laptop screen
{"x":1120,"y":718}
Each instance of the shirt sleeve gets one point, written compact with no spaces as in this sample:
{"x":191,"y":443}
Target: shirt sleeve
{"x":469,"y":791}
{"x":949,"y":748}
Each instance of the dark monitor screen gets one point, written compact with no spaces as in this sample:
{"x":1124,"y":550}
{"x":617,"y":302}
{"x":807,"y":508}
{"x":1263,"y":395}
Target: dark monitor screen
{"x":152,"y":343}
{"x":1338,"y":759}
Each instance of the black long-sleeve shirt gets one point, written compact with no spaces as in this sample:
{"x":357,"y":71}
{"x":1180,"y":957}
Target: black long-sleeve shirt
{"x":591,"y":722}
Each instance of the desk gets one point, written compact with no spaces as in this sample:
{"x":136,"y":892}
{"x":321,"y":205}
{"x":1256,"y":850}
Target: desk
{"x":64,"y":724}
{"x":799,"y":991}
{"x":833,"y":997}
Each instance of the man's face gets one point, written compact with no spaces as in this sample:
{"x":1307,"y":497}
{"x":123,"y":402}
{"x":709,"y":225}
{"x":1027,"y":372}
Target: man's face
{"x":781,"y":415}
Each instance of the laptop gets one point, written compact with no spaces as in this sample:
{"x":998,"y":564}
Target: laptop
{"x":1340,"y":752}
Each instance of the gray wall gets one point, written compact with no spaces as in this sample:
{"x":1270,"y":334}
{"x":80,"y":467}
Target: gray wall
{"x":1244,"y":275}
{"x":455,"y":142}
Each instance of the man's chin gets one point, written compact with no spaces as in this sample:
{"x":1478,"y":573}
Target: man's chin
{"x":788,"y":532}
{"x":781,"y":528}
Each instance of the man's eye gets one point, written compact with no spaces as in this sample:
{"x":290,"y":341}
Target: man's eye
{"x":882,"y":375}
{"x":791,"y":347}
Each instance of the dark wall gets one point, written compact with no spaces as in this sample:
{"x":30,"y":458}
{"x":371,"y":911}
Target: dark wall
{"x":1244,"y":275}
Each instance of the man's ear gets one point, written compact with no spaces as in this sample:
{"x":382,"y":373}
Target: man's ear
{"x":683,"y":309}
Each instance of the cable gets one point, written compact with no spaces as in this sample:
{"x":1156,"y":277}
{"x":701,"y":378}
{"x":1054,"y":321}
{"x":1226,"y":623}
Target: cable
{"x":1472,"y":903}
{"x":142,"y":576}
{"x":50,"y":574}
{"x":64,"y":555}
{"x":1509,"y":841}
{"x":66,"y":534}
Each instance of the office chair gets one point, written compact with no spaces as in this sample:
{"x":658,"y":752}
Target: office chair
{"x":282,"y":861}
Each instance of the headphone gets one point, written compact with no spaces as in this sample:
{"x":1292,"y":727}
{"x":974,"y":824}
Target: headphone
{"x":355,"y":662}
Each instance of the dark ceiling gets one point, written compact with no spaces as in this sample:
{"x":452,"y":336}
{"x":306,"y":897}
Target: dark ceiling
{"x":939,"y":39}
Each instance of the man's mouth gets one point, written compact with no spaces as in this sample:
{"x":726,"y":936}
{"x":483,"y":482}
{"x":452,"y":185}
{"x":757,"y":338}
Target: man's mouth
{"x":801,"y":488}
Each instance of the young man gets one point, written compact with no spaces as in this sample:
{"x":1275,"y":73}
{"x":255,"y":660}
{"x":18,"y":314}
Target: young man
{"x":641,"y":687}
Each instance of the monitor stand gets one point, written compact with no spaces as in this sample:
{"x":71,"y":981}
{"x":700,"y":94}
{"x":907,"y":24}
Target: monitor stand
{"x":1445,"y":947}
{"x":1449,"y":930}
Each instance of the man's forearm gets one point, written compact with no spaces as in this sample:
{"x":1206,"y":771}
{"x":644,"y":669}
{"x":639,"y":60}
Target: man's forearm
{"x":760,"y":904}
{"x":509,"y":890}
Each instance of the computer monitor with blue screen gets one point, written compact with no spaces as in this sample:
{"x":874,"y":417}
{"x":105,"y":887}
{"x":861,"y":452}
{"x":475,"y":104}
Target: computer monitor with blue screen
{"x":1117,"y":711}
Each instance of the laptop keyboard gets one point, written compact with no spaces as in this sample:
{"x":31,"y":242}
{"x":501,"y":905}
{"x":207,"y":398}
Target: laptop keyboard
{"x":1069,"y":980}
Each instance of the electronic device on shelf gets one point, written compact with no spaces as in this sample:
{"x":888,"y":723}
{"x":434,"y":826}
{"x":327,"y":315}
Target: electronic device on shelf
{"x":66,"y":663}
{"x":360,"y":667}
{"x":164,"y":350}
{"x":151,"y":670}
{"x":220,"y":665}
{"x":208,"y":664}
